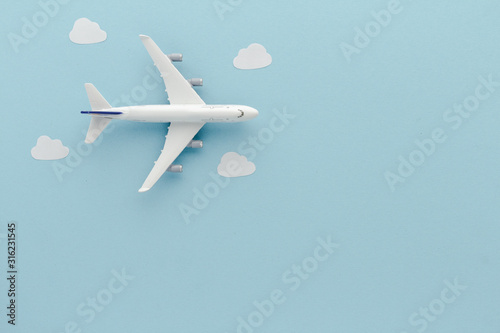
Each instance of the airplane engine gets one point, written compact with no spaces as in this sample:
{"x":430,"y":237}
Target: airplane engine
{"x":175,"y":57}
{"x":196,"y":82}
{"x":175,"y":168}
{"x":195,"y":144}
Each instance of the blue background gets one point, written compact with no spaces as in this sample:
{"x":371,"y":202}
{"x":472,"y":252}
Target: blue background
{"x":323,"y":175}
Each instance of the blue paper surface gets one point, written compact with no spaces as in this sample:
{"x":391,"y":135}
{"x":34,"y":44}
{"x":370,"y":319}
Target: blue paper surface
{"x":374,"y":206}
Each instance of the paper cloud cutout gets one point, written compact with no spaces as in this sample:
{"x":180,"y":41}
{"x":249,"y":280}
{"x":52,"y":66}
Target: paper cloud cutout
{"x":235,"y":165}
{"x":253,"y":57}
{"x":87,"y":32}
{"x":47,"y":149}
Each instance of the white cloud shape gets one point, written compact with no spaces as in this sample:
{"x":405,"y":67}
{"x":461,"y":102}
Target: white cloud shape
{"x":235,"y":165}
{"x":47,"y":149}
{"x":87,"y":32}
{"x":253,"y":57}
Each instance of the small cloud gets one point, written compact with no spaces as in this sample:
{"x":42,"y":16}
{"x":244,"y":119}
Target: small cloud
{"x":47,"y":149}
{"x":87,"y":32}
{"x":235,"y":165}
{"x":253,"y":57}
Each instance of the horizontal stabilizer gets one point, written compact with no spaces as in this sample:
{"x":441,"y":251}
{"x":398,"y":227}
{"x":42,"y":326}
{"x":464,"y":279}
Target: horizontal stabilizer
{"x":97,"y":102}
{"x":97,"y":125}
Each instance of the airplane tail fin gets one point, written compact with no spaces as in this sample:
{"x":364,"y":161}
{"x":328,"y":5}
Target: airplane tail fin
{"x":97,"y":102}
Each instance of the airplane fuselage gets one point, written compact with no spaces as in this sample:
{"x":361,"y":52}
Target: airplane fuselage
{"x":184,"y":113}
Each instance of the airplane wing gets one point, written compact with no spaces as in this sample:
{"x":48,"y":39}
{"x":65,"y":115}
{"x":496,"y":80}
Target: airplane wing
{"x":177,"y":87}
{"x":178,"y":136}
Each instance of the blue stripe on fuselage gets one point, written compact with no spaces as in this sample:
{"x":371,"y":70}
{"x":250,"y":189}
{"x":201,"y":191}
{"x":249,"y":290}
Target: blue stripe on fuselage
{"x":101,"y":112}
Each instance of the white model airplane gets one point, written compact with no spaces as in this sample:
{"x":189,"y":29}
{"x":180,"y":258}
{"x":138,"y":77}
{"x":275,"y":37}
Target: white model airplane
{"x":187,"y":113}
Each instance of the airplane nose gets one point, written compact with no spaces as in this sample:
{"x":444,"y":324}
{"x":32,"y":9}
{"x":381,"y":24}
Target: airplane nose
{"x":253,"y":112}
